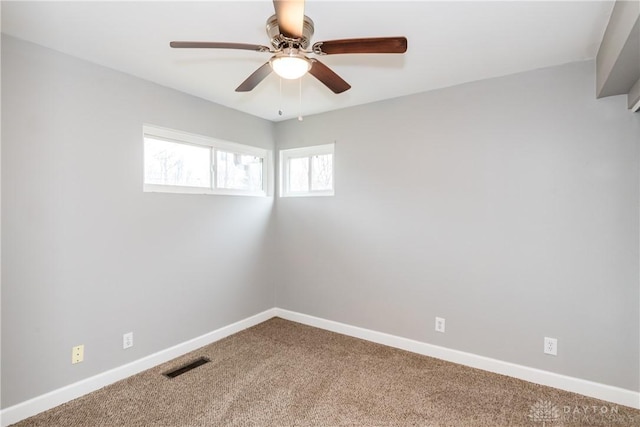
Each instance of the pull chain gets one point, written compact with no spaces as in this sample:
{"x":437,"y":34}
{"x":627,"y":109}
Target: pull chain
{"x":280,"y":99}
{"x":300,"y":100}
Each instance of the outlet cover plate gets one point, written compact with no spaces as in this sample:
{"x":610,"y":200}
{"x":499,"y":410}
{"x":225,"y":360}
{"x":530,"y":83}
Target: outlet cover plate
{"x":127,"y":340}
{"x":77,"y":354}
{"x":440,"y":324}
{"x":551,"y":346}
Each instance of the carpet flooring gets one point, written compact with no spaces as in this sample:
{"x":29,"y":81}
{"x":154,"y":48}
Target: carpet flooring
{"x":281,"y":373}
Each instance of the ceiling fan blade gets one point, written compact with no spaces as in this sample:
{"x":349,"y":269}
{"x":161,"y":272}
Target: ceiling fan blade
{"x":216,"y":45}
{"x":254,"y":79}
{"x":290,"y":15}
{"x":368,"y":45}
{"x":328,"y":77}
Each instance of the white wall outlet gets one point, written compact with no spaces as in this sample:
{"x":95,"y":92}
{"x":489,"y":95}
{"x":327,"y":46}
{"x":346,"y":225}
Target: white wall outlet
{"x":127,"y":340}
{"x":551,"y":346}
{"x":77,"y":354}
{"x":439,"y":324}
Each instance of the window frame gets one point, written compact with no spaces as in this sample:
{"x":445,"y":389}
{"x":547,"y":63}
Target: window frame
{"x":213,"y":145}
{"x":285,"y":155}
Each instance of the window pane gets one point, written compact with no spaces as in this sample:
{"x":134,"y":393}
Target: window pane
{"x":238,"y":171}
{"x":299,"y":174}
{"x":322,"y":172}
{"x":170,"y":163}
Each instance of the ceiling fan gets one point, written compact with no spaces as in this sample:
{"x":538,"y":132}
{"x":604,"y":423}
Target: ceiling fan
{"x":290,"y":32}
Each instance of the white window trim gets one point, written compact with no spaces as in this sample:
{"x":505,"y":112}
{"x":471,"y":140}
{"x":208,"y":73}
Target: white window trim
{"x":215,"y":144}
{"x":294,"y":153}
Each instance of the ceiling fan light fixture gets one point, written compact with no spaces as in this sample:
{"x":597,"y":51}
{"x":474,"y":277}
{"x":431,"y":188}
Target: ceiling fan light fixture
{"x":290,"y":66}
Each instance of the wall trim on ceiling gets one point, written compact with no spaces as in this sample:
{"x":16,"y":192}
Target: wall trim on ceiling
{"x":617,"y":66}
{"x":633,"y":97}
{"x":26,"y":409}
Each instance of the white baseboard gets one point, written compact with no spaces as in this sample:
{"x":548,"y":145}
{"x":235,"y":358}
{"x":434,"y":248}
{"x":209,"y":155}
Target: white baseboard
{"x":34,"y":406}
{"x":31,"y":407}
{"x":576,"y":385}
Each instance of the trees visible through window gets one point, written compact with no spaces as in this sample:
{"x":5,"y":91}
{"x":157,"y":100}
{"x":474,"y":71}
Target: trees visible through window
{"x":178,"y":162}
{"x":238,"y":171}
{"x":169,"y":163}
{"x":307,"y":171}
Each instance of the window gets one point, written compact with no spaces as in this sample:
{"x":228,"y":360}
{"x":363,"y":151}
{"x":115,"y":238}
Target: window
{"x":307,"y":171}
{"x":179,"y":162}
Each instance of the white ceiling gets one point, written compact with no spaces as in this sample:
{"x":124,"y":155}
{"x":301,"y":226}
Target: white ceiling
{"x":449,"y":43}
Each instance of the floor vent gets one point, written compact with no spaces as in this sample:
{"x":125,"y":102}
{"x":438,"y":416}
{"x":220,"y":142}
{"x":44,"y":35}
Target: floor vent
{"x":186,"y":368}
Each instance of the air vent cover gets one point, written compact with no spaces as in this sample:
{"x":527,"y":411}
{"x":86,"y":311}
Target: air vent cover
{"x":186,"y":368}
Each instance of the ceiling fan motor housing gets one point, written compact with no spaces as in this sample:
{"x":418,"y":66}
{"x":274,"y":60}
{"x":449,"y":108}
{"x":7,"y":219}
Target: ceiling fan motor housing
{"x":278,"y":41}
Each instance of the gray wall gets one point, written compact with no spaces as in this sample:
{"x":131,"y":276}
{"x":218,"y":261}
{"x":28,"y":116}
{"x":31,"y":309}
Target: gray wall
{"x":507,"y":206}
{"x":87,"y":256}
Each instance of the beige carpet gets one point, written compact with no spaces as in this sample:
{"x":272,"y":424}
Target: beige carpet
{"x":281,"y":373}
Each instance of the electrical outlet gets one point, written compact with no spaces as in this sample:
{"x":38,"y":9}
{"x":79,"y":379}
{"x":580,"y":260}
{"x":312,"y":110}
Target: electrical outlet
{"x":127,"y":340}
{"x":439,"y":324}
{"x":77,"y":354}
{"x":551,"y":346}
